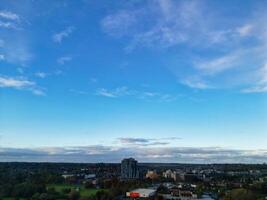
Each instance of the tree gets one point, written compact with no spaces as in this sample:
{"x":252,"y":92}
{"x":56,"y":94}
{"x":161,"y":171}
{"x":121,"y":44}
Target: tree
{"x":159,"y":197}
{"x":163,"y":190}
{"x":240,"y":194}
{"x":102,"y":195}
{"x":74,"y":195}
{"x":89,"y":185}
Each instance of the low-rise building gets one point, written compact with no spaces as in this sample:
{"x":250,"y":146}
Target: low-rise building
{"x":89,"y":176}
{"x":152,"y":174}
{"x":141,"y":193}
{"x":65,"y":176}
{"x":167,"y":174}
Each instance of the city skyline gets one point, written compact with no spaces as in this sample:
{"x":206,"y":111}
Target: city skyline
{"x":160,"y":81}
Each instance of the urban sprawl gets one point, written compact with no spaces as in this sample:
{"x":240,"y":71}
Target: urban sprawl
{"x":132,"y":180}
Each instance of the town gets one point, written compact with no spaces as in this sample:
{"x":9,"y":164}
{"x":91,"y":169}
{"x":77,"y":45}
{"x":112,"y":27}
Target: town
{"x":132,"y":180}
{"x":133,"y":100}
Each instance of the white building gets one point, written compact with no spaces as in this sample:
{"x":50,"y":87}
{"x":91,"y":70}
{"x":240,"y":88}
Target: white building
{"x":141,"y":193}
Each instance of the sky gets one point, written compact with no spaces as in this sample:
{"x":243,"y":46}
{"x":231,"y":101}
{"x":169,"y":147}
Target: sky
{"x":157,"y":80}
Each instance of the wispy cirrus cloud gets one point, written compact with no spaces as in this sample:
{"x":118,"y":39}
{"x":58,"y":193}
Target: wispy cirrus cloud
{"x":15,"y":45}
{"x":60,"y":36}
{"x":117,"y":92}
{"x":7,"y":25}
{"x":18,"y":53}
{"x":120,"y":23}
{"x":195,"y":82}
{"x":9,"y":20}
{"x":15,"y":82}
{"x":138,"y":94}
{"x":21,"y":83}
{"x":220,"y":48}
{"x":168,"y":27}
{"x":245,"y":30}
{"x":220,"y":64}
{"x":64,"y":59}
{"x":9,"y":15}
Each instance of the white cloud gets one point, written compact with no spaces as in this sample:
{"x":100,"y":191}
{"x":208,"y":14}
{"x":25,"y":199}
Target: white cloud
{"x":41,"y":74}
{"x":235,"y":69}
{"x":15,"y":82}
{"x":21,"y":83}
{"x":255,"y":89}
{"x":245,"y":30}
{"x":117,"y":92}
{"x":9,"y":20}
{"x":62,"y":60}
{"x":104,"y":92}
{"x":18,"y":51}
{"x":7,"y":25}
{"x":195,"y":82}
{"x":16,"y":44}
{"x":138,"y":94}
{"x":119,"y":23}
{"x":58,"y":37}
{"x":38,"y":92}
{"x":9,"y":15}
{"x":220,"y":64}
{"x":172,"y":23}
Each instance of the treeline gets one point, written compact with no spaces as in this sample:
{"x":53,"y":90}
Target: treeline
{"x":30,"y":182}
{"x":22,"y":183}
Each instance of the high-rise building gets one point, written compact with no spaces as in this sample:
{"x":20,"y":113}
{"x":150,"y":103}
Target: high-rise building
{"x":129,"y":169}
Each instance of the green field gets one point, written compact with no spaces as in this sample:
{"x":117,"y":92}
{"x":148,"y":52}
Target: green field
{"x":60,"y":187}
{"x":83,"y":191}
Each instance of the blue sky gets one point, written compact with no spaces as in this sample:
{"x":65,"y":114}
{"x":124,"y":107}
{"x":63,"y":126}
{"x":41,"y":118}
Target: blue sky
{"x":160,"y":80}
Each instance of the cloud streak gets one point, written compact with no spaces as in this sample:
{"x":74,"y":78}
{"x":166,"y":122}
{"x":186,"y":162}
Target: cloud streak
{"x":9,"y":15}
{"x":16,"y":44}
{"x":126,"y":92}
{"x":15,"y":83}
{"x":21,"y":83}
{"x":64,"y":59}
{"x":100,"y":153}
{"x":9,"y":20}
{"x":146,"y":141}
{"x":59,"y":37}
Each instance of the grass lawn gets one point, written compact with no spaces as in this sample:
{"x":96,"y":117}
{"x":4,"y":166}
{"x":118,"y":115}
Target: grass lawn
{"x":83,"y":191}
{"x":59,"y":187}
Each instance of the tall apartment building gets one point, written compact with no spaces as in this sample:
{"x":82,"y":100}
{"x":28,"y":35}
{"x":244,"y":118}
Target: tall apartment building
{"x":129,"y":169}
